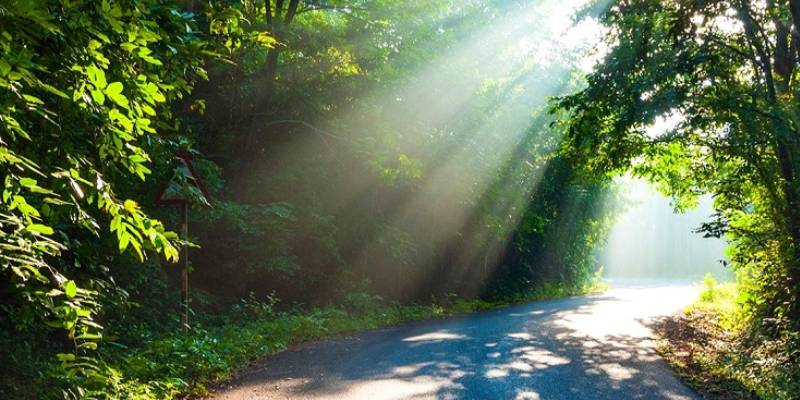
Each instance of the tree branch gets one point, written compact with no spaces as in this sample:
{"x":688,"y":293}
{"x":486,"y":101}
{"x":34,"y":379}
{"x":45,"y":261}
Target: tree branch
{"x":765,"y":62}
{"x":291,"y":11}
{"x":268,"y":14}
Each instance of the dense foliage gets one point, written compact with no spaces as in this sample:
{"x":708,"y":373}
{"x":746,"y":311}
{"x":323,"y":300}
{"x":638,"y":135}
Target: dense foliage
{"x":349,"y":162}
{"x":725,"y":72}
{"x":83,"y":92}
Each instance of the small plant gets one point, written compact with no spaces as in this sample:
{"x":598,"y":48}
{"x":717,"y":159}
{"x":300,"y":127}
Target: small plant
{"x":251,"y":307}
{"x":709,"y":292}
{"x":362,"y":302}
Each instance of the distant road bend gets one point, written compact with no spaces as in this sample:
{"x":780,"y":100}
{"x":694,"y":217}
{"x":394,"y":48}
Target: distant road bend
{"x":588,"y":347}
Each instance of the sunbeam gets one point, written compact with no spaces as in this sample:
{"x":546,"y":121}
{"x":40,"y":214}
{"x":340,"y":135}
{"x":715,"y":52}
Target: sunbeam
{"x":504,"y":72}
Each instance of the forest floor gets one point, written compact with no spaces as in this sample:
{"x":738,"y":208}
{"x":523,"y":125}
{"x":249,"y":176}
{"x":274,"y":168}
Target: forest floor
{"x":582,"y":347}
{"x":690,"y":341}
{"x":722,"y":353}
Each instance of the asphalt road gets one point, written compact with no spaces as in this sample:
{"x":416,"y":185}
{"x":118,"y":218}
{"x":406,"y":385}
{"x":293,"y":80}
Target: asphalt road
{"x":590,"y":347}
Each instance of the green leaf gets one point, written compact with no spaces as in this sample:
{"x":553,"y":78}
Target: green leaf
{"x":39,"y":228}
{"x":154,"y":92}
{"x":122,"y":119}
{"x":114,"y":88}
{"x":130,"y":205}
{"x":89,"y":336}
{"x":70,"y":289}
{"x":27,"y":182}
{"x":138,"y":248}
{"x":124,"y":240}
{"x":53,"y":90}
{"x":97,"y":76}
{"x":32,"y":99}
{"x":114,"y":92}
{"x":5,"y":67}
{"x":98,"y":97}
{"x":88,"y":345}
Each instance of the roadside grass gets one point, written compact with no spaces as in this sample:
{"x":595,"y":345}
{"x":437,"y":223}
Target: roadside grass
{"x":715,"y":348}
{"x":178,"y":366}
{"x":720,"y":300}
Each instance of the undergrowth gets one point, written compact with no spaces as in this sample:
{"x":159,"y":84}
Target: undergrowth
{"x":724,"y":354}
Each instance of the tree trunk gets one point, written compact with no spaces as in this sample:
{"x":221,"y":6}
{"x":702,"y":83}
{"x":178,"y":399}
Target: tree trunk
{"x":785,"y":65}
{"x":777,"y":69}
{"x":278,"y":20}
{"x":792,"y":212}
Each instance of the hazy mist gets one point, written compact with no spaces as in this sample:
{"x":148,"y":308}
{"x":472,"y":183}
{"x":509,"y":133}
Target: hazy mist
{"x":650,"y":240}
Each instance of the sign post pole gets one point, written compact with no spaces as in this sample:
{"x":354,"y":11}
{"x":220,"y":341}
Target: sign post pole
{"x":185,"y":272}
{"x":185,"y":189}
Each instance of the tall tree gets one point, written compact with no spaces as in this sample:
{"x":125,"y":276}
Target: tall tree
{"x":727,"y":70}
{"x":278,"y":18}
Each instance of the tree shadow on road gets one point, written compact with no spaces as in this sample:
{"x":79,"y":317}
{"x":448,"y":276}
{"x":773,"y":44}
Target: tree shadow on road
{"x":523,"y":352}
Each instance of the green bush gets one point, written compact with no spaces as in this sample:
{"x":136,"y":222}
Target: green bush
{"x":362,"y":302}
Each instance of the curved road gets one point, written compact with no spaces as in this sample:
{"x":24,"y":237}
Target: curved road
{"x":588,"y":347}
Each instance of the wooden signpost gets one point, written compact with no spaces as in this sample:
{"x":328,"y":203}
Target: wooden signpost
{"x":184,"y":189}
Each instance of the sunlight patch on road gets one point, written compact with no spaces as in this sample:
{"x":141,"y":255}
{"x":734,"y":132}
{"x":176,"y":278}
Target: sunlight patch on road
{"x":543,"y":358}
{"x":496,"y":373}
{"x":521,"y":335}
{"x":410,"y":369}
{"x":411,"y":381}
{"x":527,"y":395}
{"x":621,"y":312}
{"x":616,"y":371}
{"x":421,"y":387}
{"x":527,"y":359}
{"x":435,"y":336}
